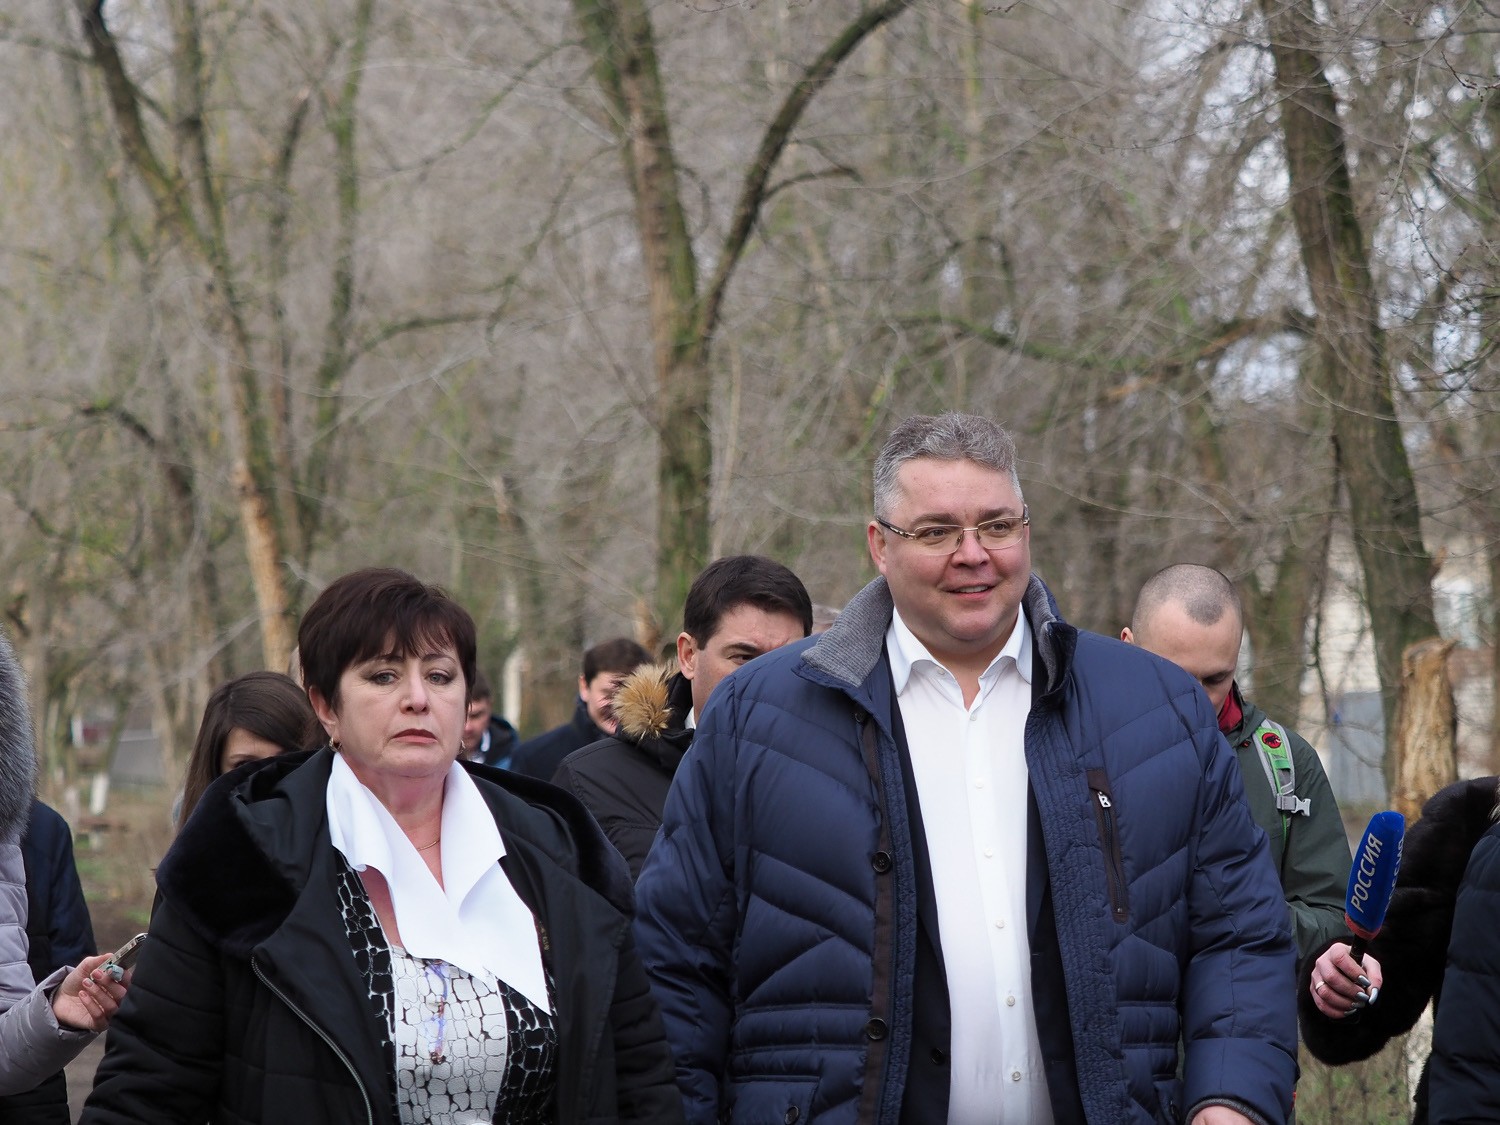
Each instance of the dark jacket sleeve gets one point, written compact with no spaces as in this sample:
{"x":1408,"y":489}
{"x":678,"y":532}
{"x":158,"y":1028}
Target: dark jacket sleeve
{"x":1239,"y":1026}
{"x":1315,"y":861}
{"x":1464,"y":1071}
{"x":645,"y":1075}
{"x":688,"y":913}
{"x":165,"y":1049}
{"x":1414,"y":940}
{"x":1409,"y":949}
{"x":68,"y":926}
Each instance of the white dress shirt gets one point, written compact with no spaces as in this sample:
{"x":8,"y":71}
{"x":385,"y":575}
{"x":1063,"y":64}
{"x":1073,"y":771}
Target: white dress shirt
{"x":969,"y":764}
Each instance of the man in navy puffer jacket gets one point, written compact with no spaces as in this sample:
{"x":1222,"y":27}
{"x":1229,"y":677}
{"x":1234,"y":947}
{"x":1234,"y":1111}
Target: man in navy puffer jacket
{"x":956,"y":861}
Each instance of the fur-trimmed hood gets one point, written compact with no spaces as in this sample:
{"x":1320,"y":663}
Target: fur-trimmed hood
{"x":238,"y":865}
{"x":652,"y":706}
{"x":17,"y":746}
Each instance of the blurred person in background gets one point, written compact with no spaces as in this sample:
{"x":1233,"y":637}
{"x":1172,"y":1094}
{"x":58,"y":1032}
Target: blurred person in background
{"x":257,"y":715}
{"x":604,"y":666}
{"x":488,"y":738}
{"x":374,"y":931}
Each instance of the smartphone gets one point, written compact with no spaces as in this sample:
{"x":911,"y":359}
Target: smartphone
{"x":124,"y":957}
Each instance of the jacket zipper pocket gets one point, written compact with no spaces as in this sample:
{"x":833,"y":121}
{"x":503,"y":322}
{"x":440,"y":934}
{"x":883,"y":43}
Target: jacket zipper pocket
{"x":321,"y":1034}
{"x":1109,"y":840}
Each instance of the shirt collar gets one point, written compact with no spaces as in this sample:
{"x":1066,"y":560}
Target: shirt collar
{"x":906,"y":651}
{"x":475,"y":920}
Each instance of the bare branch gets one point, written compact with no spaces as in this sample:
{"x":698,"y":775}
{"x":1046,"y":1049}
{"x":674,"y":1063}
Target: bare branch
{"x":773,"y":142}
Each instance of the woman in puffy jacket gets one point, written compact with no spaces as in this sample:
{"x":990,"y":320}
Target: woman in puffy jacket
{"x":42,"y":1026}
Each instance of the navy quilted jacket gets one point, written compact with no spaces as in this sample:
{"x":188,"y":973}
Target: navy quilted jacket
{"x":777,"y":910}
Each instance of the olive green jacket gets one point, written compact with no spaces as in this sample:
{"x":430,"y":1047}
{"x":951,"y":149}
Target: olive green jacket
{"x":1311,"y":850}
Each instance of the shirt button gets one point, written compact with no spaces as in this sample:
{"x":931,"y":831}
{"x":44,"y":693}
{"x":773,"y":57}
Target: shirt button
{"x":999,"y":923}
{"x":1015,"y":1076}
{"x":973,"y":716}
{"x":1010,"y":1001}
{"x":979,"y":784}
{"x":989,"y":853}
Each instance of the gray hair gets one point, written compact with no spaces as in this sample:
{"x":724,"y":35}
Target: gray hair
{"x":943,"y":437}
{"x":1203,"y":593}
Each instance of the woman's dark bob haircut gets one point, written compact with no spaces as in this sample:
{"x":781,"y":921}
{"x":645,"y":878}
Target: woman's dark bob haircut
{"x":265,"y":704}
{"x":379,"y":611}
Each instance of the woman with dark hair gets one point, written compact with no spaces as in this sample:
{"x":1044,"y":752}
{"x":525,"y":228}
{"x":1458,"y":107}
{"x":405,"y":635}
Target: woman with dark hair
{"x":257,"y":715}
{"x":377,"y":932}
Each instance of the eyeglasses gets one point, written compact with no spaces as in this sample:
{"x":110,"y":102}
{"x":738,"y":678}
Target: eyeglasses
{"x":945,"y":538}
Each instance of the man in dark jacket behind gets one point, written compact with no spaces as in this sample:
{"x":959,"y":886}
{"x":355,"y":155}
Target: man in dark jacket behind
{"x":1192,"y":616}
{"x":738,"y":608}
{"x":604,"y":666}
{"x":959,"y":861}
{"x":489,"y":739}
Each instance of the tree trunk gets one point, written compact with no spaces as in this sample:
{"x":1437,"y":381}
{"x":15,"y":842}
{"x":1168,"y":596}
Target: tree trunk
{"x":1383,"y":509}
{"x":619,"y":36}
{"x":1426,"y":726}
{"x":188,"y":204}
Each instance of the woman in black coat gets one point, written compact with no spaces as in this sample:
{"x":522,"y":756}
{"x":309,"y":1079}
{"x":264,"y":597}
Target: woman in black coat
{"x":1438,"y":944}
{"x":372,"y":932}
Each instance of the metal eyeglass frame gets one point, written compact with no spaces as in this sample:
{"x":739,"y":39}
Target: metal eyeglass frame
{"x":962,"y":531}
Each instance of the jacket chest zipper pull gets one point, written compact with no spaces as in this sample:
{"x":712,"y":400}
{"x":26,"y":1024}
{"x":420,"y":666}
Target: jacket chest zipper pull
{"x":1104,"y":800}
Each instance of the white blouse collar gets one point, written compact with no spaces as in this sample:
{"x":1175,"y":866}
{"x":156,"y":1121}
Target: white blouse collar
{"x":475,"y":920}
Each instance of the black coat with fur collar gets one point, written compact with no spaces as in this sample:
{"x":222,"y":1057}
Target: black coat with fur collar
{"x":1412,"y":946}
{"x":247,"y":1004}
{"x":624,"y":780}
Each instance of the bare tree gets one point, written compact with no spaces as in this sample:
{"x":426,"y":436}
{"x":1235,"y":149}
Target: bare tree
{"x":1385,"y":516}
{"x":685,"y":314}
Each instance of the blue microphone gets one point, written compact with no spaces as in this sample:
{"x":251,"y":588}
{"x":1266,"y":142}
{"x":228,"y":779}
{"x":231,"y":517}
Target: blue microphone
{"x":1372,"y":878}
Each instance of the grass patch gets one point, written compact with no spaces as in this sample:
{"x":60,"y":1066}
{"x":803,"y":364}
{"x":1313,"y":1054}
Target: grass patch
{"x":117,"y":856}
{"x":1372,"y":1092}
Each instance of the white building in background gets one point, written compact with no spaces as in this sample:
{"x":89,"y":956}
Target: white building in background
{"x":1341,"y":706}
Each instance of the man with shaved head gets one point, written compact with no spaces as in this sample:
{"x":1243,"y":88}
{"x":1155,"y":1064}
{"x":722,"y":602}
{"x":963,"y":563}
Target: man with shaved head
{"x":1191,"y":615}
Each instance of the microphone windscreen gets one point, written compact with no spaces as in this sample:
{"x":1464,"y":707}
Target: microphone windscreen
{"x":1372,"y":878}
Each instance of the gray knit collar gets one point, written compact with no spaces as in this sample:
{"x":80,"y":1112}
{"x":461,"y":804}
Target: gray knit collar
{"x":850,"y":649}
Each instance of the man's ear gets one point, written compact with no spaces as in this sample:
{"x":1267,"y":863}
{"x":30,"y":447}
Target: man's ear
{"x":687,"y":655}
{"x":583,"y":688}
{"x":875,"y":537}
{"x":1127,"y":636}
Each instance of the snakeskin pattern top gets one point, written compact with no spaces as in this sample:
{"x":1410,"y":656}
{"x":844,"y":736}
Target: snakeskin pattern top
{"x":463,"y":1049}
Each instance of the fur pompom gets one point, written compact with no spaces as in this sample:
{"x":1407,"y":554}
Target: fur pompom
{"x":641,"y":704}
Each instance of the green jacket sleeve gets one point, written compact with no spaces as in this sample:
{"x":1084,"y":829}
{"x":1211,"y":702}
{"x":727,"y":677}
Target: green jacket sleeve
{"x":1315,"y":860}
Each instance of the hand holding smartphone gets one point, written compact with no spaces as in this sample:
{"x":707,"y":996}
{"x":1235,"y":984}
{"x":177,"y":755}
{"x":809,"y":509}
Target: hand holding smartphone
{"x":124,"y":957}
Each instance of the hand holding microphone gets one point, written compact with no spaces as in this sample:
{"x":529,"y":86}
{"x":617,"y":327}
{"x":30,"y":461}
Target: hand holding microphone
{"x":1344,"y":979}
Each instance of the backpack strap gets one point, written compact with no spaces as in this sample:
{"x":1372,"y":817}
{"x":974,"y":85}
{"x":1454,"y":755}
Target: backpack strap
{"x":1274,"y":748}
